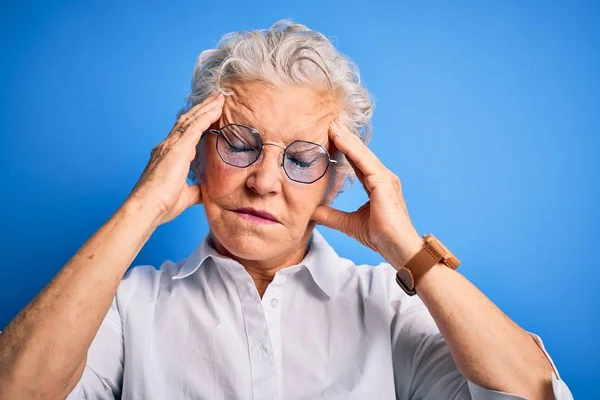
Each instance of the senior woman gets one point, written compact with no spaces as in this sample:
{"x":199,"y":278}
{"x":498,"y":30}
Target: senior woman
{"x":264,"y":308}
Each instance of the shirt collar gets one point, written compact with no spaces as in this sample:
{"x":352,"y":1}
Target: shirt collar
{"x":203,"y":252}
{"x":322,"y":262}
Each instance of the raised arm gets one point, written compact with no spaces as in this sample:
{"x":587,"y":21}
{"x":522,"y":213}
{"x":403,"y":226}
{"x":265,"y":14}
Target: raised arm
{"x":43,"y":350}
{"x":487,"y":347}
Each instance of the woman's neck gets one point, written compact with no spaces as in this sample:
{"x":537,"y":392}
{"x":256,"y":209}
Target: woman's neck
{"x":263,"y":271}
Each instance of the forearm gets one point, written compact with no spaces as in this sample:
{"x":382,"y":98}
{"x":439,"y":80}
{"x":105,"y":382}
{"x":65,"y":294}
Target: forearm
{"x":488,"y":348}
{"x":47,"y":341}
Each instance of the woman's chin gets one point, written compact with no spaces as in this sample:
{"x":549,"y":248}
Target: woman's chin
{"x":246,"y":245}
{"x":249,"y":240}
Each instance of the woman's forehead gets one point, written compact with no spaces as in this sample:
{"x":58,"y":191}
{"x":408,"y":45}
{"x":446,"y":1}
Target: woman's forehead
{"x":282,"y":115}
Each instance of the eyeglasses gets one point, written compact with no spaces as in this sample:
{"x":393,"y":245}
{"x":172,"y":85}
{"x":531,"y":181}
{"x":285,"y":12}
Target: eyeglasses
{"x":240,"y":146}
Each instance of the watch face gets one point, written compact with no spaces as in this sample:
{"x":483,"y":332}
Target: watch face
{"x":406,"y":281}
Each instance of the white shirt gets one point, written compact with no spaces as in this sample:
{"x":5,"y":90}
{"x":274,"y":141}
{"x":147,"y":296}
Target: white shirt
{"x":324,"y":329}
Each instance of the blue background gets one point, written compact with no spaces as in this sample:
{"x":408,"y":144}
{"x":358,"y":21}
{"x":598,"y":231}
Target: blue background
{"x":489,"y":113}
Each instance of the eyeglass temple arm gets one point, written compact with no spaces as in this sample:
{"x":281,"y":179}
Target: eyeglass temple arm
{"x":213,"y":131}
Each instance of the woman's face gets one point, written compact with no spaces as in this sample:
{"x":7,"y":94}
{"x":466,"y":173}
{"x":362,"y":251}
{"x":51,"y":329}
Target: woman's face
{"x":281,"y":115}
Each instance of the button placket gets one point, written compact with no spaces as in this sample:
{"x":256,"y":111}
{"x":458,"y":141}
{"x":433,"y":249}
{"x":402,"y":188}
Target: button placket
{"x":272,"y":308}
{"x":264,"y":380}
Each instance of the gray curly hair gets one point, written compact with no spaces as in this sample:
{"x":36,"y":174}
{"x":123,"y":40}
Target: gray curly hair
{"x":286,"y":54}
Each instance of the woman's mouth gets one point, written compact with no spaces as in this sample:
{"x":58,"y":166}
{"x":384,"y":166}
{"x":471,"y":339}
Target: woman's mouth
{"x":256,"y":216}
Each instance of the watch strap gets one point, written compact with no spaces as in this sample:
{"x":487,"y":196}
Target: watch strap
{"x":423,"y":261}
{"x":432,"y":252}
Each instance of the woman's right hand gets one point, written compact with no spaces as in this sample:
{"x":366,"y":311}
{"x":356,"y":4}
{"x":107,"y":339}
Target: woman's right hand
{"x":163,"y":181}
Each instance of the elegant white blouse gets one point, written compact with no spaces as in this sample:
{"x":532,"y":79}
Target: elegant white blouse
{"x":324,"y":329}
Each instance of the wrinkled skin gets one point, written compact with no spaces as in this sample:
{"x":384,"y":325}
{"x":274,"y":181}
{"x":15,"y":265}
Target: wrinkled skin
{"x":281,"y":115}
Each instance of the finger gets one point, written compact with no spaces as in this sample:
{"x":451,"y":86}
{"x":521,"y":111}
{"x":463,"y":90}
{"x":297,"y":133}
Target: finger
{"x":217,"y":103}
{"x":212,"y":99}
{"x":189,"y":113}
{"x":179,"y":131}
{"x":204,"y":102}
{"x":201,"y":124}
{"x":332,"y":218}
{"x":186,"y":119}
{"x":358,"y":172}
{"x":184,"y":138}
{"x":185,"y":124}
{"x":365,"y":161}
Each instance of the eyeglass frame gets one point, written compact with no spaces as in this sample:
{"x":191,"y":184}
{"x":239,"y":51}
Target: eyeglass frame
{"x":217,"y":133}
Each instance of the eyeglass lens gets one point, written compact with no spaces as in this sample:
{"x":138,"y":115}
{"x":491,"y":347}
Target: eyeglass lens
{"x":303,"y":161}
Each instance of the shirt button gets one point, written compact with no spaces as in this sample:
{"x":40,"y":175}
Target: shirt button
{"x":274,"y":303}
{"x":260,"y":351}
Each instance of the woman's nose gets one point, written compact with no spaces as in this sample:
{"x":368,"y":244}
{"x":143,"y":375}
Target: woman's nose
{"x":265,"y":175}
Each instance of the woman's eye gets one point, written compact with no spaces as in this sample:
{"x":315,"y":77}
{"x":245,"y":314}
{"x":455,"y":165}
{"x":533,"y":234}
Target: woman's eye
{"x":239,"y":149}
{"x":301,"y":164}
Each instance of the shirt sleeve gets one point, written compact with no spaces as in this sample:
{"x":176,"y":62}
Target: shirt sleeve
{"x":423,"y":365}
{"x":102,"y":377}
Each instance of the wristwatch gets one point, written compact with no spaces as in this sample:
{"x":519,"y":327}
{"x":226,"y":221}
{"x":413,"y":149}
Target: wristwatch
{"x":433,"y":251}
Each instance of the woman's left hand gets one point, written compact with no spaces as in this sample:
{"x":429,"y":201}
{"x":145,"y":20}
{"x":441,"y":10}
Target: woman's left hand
{"x":382,"y":223}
